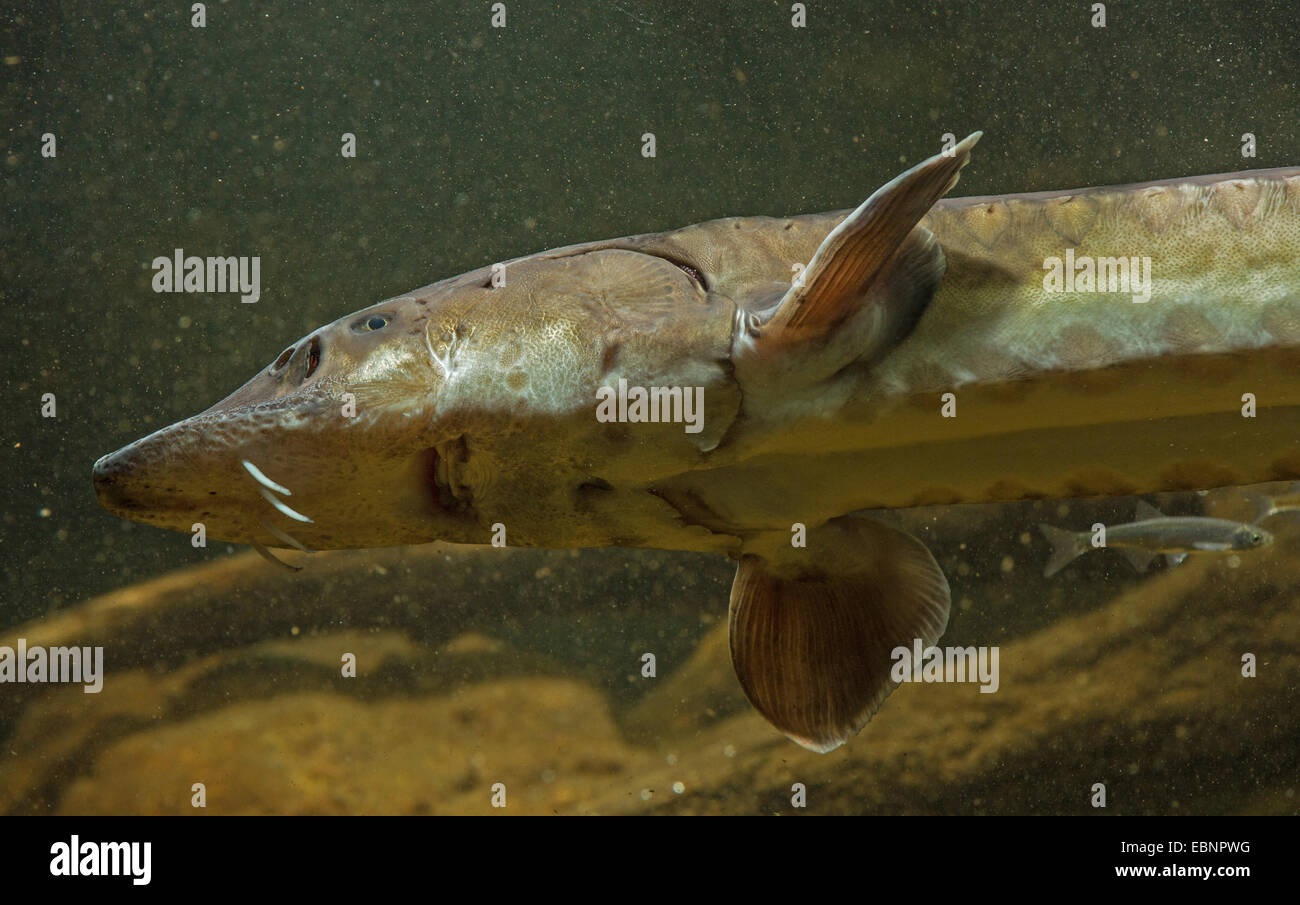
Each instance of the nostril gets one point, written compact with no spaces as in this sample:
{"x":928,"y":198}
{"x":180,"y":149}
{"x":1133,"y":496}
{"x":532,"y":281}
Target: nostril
{"x":301,"y":360}
{"x":313,"y":356}
{"x":283,"y":359}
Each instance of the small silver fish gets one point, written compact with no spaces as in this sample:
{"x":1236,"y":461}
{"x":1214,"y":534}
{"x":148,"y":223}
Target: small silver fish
{"x":1153,"y":534}
{"x":1268,"y":506}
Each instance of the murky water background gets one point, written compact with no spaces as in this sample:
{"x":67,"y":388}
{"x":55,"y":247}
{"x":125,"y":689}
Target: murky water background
{"x":479,"y":144}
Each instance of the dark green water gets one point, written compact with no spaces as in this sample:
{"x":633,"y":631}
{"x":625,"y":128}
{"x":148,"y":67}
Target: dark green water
{"x":479,"y":144}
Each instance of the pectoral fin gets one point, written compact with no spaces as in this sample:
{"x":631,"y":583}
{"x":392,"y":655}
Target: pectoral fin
{"x":867,"y":284}
{"x":813,"y":629}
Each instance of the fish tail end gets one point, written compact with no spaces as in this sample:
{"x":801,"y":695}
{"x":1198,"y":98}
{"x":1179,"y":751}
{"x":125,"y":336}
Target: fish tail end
{"x":1066,"y":548}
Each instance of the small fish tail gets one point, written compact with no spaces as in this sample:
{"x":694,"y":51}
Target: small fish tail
{"x":1067,"y":546}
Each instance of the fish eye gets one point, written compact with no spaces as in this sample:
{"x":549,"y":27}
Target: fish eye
{"x":371,"y":323}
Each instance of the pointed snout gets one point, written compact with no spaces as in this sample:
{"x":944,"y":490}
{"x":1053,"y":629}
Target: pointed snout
{"x":111,"y":475}
{"x":151,"y":479}
{"x":323,"y":445}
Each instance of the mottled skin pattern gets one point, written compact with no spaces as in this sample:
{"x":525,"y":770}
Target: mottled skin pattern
{"x":475,"y":405}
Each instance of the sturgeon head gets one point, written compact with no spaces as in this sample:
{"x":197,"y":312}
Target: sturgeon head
{"x":441,"y":413}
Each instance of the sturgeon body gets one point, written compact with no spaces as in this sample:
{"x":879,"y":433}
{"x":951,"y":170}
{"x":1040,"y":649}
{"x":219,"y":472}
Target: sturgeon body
{"x":913,"y":351}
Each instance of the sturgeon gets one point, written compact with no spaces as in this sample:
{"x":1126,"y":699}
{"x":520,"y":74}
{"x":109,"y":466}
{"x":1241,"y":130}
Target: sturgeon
{"x":913,"y":351}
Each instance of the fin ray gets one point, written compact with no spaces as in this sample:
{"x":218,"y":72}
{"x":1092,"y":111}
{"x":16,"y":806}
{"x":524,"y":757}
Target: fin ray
{"x":858,"y":249}
{"x":812,"y":630}
{"x":867,"y":285}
